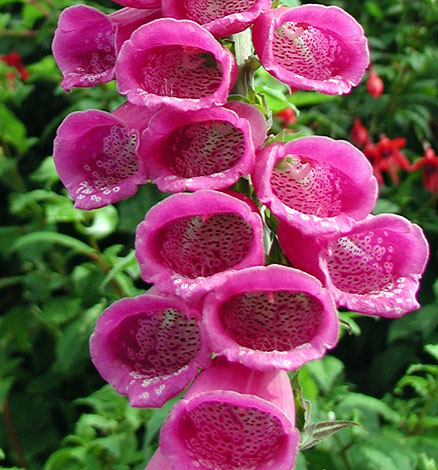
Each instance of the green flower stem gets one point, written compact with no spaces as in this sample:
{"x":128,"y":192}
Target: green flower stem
{"x":242,"y":51}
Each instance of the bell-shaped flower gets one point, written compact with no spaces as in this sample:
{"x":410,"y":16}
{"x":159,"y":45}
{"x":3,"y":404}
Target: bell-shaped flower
{"x":270,"y":317}
{"x":233,"y":417}
{"x":220,"y":18}
{"x":149,"y":348}
{"x":95,"y":155}
{"x":374,"y":269}
{"x":206,"y":149}
{"x":175,"y":62}
{"x":87,"y":42}
{"x":189,"y":242}
{"x":312,"y":47}
{"x":316,"y":184}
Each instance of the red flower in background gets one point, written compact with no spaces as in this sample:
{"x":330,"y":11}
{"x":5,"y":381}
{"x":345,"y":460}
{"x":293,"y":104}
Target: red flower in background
{"x":374,"y":84}
{"x":429,"y":166}
{"x":386,"y":156}
{"x":287,"y":117}
{"x":359,"y":133}
{"x":13,"y":59}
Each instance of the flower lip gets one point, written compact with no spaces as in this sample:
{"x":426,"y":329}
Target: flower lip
{"x":205,"y":149}
{"x":247,"y":412}
{"x":84,"y":47}
{"x":220,"y":18}
{"x":133,"y":348}
{"x":188,"y":243}
{"x":95,"y":156}
{"x":367,"y":269}
{"x":316,"y":184}
{"x":312,"y":47}
{"x":274,"y":316}
{"x":175,"y":62}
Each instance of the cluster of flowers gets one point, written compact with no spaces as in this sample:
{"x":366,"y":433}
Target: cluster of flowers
{"x":203,"y":250}
{"x":386,"y":156}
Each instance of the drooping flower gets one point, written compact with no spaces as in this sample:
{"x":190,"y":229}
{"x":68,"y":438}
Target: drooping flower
{"x":205,"y":149}
{"x":189,"y":242}
{"x":87,"y":42}
{"x":175,"y":62}
{"x":429,"y":168}
{"x":220,"y":18}
{"x":270,"y":317}
{"x":13,"y":59}
{"x":312,"y":47}
{"x":374,"y":84}
{"x":359,"y":133}
{"x":386,"y":156}
{"x":287,"y":117}
{"x":316,"y":184}
{"x":233,"y":417}
{"x":95,"y":155}
{"x":368,"y":269}
{"x":149,"y":348}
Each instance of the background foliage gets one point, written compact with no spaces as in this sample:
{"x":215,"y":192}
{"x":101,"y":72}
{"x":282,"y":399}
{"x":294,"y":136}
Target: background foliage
{"x":60,"y":267}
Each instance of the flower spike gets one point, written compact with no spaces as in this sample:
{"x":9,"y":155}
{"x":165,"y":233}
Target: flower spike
{"x":271,"y":317}
{"x":205,"y":149}
{"x":189,"y":242}
{"x":149,"y":348}
{"x":220,"y":18}
{"x":175,"y":62}
{"x":233,"y":417}
{"x":316,"y":184}
{"x":95,"y":155}
{"x":312,"y":47}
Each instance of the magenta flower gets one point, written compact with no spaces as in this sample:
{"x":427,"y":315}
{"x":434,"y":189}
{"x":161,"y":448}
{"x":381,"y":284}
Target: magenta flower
{"x":205,"y":149}
{"x":312,"y":47}
{"x":189,"y":242}
{"x":87,"y":42}
{"x":316,"y":184}
{"x":158,"y":462}
{"x":367,"y":269}
{"x":233,"y":417}
{"x":149,"y":348}
{"x":273,"y":316}
{"x":94,"y":154}
{"x":176,"y":62}
{"x":140,"y":4}
{"x":220,"y":18}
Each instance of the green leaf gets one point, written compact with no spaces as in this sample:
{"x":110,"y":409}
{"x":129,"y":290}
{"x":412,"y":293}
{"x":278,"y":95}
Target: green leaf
{"x":49,"y":238}
{"x":432,"y":349}
{"x":60,"y":310}
{"x":5,"y":386}
{"x":13,"y":131}
{"x":318,"y":432}
{"x":359,"y":401}
{"x":325,"y":372}
{"x":46,"y":173}
{"x":121,"y":265}
{"x":104,"y":223}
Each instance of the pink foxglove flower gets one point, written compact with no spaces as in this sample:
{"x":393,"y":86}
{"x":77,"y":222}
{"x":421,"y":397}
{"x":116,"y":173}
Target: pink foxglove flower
{"x":140,"y":4}
{"x":189,"y":242}
{"x":87,"y":42}
{"x":374,"y":269}
{"x":316,"y":184}
{"x":205,"y":149}
{"x":95,"y":155}
{"x":271,"y":316}
{"x":149,"y":348}
{"x":312,"y":47}
{"x":221,"y":18}
{"x":176,"y":62}
{"x":233,"y":417}
{"x":159,"y":462}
